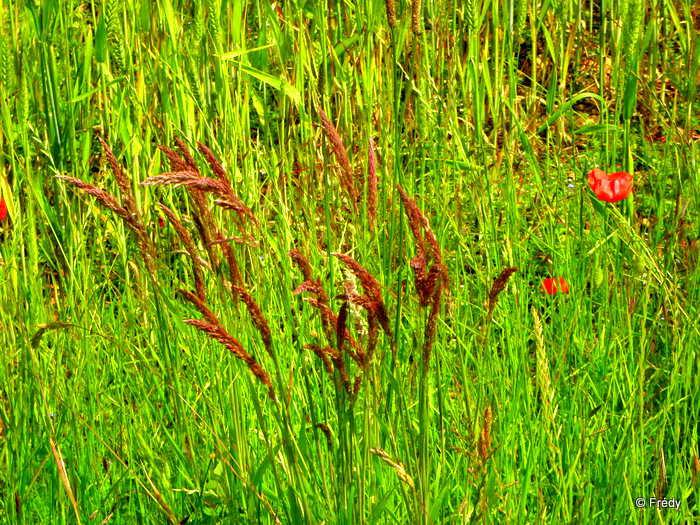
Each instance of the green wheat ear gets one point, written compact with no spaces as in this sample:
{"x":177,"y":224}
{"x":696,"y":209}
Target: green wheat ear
{"x":5,"y":57}
{"x":198,"y":25}
{"x":213,"y":8}
{"x":115,"y":33}
{"x":23,"y":99}
{"x":638,"y":265}
{"x":321,"y":80}
{"x":597,"y":277}
{"x":520,"y":16}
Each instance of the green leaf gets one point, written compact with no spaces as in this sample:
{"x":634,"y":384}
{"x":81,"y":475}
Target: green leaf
{"x":566,"y":107}
{"x":279,"y":84}
{"x":235,"y":54}
{"x":379,"y":508}
{"x":43,"y":328}
{"x":552,"y":92}
{"x":262,"y":468}
{"x":598,"y":206}
{"x":597,"y":128}
{"x":629,"y":102}
{"x":101,"y":41}
{"x":93,"y":91}
{"x":437,"y":505}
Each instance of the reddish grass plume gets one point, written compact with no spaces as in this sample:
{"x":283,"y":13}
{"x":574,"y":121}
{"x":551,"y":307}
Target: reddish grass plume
{"x":346,"y":177}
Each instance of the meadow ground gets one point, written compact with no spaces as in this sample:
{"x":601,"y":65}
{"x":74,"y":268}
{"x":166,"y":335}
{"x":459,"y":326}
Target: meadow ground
{"x":349,"y":262}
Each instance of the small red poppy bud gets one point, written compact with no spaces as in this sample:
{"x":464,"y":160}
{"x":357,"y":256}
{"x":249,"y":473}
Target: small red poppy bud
{"x":551,"y":286}
{"x":610,"y":188}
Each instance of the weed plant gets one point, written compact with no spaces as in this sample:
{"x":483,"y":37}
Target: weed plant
{"x":339,"y":262}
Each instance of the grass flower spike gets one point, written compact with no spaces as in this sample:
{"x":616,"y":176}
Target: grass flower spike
{"x":610,"y":188}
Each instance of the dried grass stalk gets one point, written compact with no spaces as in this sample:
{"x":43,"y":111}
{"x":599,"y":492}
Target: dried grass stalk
{"x":426,"y":285}
{"x":129,"y":213}
{"x":322,"y":353}
{"x":176,"y":162}
{"x":415,"y":17}
{"x":185,"y":173}
{"x":662,"y":481}
{"x":346,"y":178}
{"x":234,"y":271}
{"x":326,"y":432}
{"x":121,"y":178}
{"x":414,"y":220}
{"x":372,"y":336}
{"x":200,"y":305}
{"x":191,"y":250}
{"x":105,"y":199}
{"x":390,"y":13}
{"x":329,"y":322}
{"x":227,"y":199}
{"x":372,"y":190}
{"x":188,"y":159}
{"x":499,"y":284}
{"x":375,"y":306}
{"x":485,"y":436}
{"x":222,"y":336}
{"x":60,"y":464}
{"x":203,"y":219}
{"x":395,"y":464}
{"x":368,"y":282}
{"x":256,"y":315}
{"x":341,"y":326}
{"x":356,"y":387}
{"x":216,"y":166}
{"x":430,"y":329}
{"x":302,"y":263}
{"x":543,"y":378}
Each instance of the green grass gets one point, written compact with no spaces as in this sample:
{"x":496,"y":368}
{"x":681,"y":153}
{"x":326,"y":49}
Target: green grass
{"x":531,"y":409}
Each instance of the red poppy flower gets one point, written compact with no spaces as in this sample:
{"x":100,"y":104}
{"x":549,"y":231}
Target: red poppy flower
{"x":610,"y":188}
{"x":3,"y":209}
{"x":161,"y":222}
{"x":551,"y":286}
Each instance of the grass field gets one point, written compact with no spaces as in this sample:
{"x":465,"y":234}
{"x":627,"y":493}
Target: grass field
{"x":335,"y":262}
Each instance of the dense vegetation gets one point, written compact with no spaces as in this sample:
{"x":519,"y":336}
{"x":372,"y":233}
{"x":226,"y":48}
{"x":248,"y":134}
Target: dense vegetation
{"x":341,"y":262}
